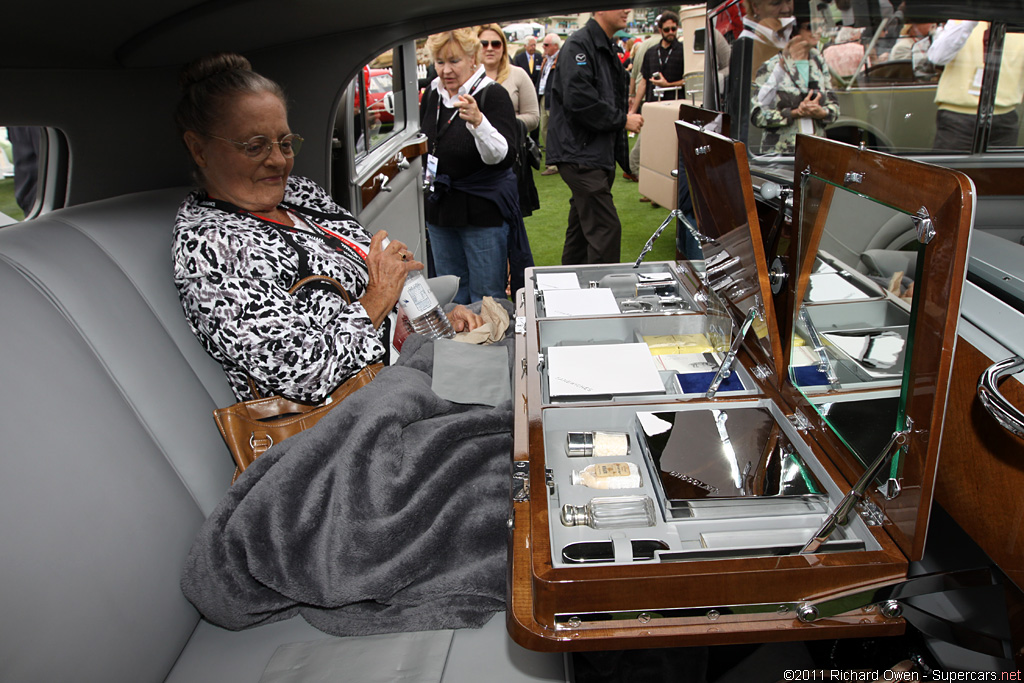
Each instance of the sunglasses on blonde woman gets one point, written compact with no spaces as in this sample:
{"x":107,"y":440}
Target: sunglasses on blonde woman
{"x":493,"y":44}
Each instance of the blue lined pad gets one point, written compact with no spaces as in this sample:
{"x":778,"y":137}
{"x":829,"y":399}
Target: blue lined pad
{"x":699,"y":382}
{"x":808,"y":376}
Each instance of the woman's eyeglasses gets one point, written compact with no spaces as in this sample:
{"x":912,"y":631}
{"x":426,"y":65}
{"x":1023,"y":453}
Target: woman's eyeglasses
{"x":493,"y":44}
{"x":259,"y":147}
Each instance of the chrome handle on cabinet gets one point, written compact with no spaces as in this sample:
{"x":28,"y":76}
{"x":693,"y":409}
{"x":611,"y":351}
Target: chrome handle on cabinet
{"x":401,"y":162}
{"x":998,"y":407}
{"x":380,"y":181}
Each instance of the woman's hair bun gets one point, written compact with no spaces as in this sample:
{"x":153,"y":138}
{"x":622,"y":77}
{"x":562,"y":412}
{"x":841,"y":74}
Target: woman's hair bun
{"x":211,"y":65}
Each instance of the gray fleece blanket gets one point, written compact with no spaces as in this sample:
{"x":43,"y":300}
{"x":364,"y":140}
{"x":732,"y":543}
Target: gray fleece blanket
{"x":388,"y":515}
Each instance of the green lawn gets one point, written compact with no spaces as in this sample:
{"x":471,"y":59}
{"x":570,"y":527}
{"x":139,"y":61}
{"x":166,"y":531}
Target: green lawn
{"x":546,"y":227}
{"x":7,"y":203}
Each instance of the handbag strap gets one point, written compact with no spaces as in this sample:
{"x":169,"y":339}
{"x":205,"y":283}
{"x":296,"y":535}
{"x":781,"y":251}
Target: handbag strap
{"x":321,"y":278}
{"x":309,"y":279}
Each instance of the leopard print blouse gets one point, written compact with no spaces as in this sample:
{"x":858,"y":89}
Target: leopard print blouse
{"x":233,"y":271}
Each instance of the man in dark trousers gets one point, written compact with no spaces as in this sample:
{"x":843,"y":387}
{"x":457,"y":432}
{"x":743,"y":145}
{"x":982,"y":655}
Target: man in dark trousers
{"x":587,"y":135}
{"x":529,"y":60}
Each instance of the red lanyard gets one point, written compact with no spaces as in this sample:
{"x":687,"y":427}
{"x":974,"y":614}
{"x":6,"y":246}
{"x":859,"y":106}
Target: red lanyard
{"x":358,"y":249}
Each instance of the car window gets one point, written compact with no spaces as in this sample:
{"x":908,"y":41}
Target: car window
{"x":20,"y":154}
{"x":887,"y":88}
{"x":375,"y":115}
{"x":1008,"y":106}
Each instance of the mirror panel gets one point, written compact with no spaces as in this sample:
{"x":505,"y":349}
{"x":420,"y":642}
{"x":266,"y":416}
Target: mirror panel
{"x":851,"y":334}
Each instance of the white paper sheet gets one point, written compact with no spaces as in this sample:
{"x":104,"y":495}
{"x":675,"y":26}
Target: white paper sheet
{"x":602,"y":369}
{"x":548,"y":281}
{"x":833,"y":287}
{"x":560,"y":303}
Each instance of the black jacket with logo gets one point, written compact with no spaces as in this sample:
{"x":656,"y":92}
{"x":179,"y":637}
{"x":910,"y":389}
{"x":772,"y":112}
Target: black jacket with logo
{"x":589,"y":103}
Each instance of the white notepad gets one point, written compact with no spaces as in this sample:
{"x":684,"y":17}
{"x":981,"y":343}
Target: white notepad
{"x":602,"y":369}
{"x":560,"y":303}
{"x":547,"y":281}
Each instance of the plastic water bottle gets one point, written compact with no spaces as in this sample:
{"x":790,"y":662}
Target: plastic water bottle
{"x":420,"y":306}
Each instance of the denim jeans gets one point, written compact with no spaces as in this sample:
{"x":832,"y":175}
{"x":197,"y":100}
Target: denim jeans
{"x":478,"y":256}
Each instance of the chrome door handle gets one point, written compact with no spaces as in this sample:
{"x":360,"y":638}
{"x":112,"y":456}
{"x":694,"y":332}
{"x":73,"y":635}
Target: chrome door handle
{"x":380,"y":181}
{"x":997,"y":406}
{"x":401,"y":162}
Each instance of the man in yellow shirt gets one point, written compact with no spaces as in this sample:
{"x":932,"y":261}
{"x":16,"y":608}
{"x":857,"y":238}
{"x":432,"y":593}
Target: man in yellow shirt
{"x":960,"y":50}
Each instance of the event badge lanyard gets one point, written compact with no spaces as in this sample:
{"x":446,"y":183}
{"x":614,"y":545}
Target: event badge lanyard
{"x":430,"y":172}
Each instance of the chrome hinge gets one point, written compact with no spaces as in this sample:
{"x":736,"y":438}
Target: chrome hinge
{"x":798,"y":420}
{"x":520,"y":481}
{"x":520,"y":324}
{"x":761,"y":372}
{"x":853,"y":177}
{"x":540,"y":362}
{"x":870,"y":513}
{"x":549,"y":479}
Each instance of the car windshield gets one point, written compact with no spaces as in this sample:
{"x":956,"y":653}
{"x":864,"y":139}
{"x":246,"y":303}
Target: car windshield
{"x":380,"y":83}
{"x":896,"y":83}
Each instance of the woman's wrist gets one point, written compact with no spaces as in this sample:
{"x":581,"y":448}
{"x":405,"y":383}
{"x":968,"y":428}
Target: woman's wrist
{"x":377,"y":304}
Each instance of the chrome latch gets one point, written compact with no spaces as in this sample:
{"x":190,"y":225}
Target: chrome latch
{"x":853,"y":177}
{"x":520,"y":324}
{"x":761,"y":372}
{"x":541,"y":362}
{"x":924,"y":225}
{"x":703,"y":149}
{"x":520,"y":481}
{"x":549,"y":480}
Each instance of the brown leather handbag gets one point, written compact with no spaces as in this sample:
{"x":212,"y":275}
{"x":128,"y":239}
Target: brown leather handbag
{"x":251,"y":427}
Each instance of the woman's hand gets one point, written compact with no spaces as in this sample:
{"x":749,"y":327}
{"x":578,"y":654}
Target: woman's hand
{"x":463,"y":319}
{"x":387,"y":268}
{"x":810,"y":107}
{"x":469,"y":111}
{"x":799,"y":47}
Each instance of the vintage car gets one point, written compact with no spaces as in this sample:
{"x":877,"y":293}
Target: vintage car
{"x":111,"y":462}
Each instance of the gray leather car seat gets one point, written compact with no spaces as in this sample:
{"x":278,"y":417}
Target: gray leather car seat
{"x":110,"y":461}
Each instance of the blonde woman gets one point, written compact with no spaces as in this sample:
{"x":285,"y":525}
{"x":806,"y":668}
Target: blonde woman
{"x":471,"y":133}
{"x":520,"y":87}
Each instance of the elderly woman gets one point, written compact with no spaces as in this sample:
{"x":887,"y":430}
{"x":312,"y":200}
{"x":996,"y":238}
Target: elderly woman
{"x":793,"y":94}
{"x":471,"y":133}
{"x":252,"y":230}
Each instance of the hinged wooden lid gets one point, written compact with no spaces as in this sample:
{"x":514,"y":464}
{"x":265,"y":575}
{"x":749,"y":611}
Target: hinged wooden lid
{"x":730,"y":232}
{"x":848,"y":203}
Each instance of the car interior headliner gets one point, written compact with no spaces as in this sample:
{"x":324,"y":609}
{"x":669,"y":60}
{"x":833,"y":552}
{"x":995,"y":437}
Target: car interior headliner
{"x":117,"y":33}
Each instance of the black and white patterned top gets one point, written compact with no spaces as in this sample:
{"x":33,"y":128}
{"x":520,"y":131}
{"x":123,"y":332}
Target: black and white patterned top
{"x":233,"y":271}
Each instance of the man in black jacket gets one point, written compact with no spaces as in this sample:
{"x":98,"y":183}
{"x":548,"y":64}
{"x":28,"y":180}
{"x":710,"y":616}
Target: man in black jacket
{"x":587,"y":135}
